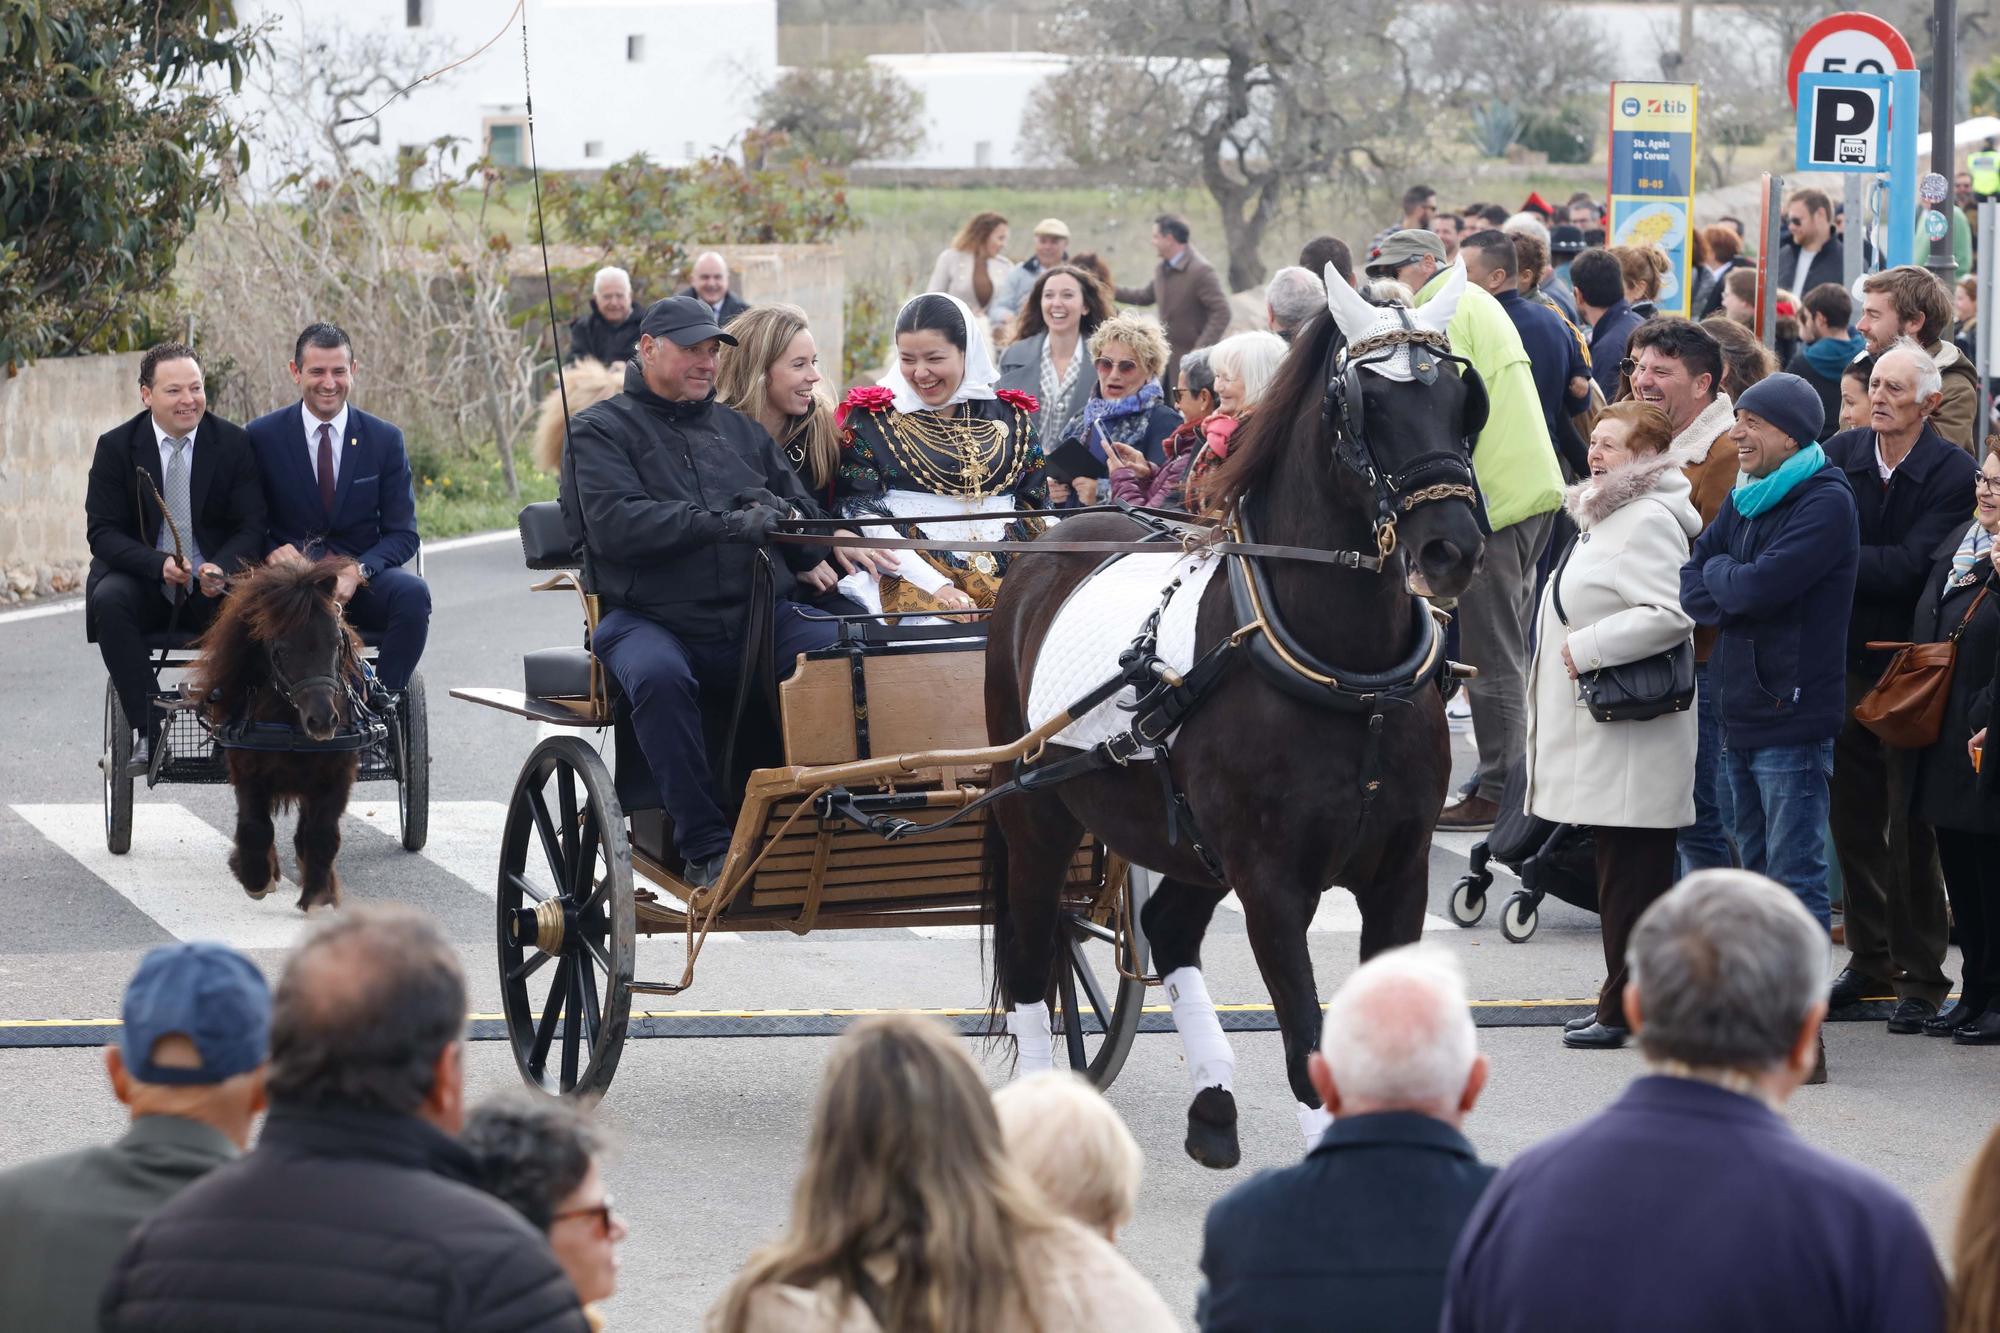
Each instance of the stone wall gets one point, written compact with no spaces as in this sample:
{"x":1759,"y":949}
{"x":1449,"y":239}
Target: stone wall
{"x":51,"y":414}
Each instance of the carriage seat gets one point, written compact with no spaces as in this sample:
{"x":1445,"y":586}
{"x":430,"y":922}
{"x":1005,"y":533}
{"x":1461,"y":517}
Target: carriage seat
{"x":545,"y":541}
{"x":557,"y":673}
{"x":182,"y":640}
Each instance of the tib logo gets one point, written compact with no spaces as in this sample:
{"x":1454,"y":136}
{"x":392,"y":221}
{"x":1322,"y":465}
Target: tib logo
{"x":1666,"y":106}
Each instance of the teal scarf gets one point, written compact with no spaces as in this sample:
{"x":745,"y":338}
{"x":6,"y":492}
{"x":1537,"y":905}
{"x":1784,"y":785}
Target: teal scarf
{"x":1754,"y":495}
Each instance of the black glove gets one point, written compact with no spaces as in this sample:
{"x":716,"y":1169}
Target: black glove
{"x":753,"y":526}
{"x":757,"y":495}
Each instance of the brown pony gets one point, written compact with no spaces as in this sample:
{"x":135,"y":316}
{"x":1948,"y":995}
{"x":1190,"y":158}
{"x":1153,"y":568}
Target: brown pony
{"x":280,"y":652}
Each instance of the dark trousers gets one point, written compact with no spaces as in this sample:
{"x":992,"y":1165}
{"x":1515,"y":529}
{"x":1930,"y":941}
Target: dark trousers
{"x":1635,"y":866}
{"x":397,"y":605}
{"x":1971,"y":863}
{"x":662,"y":675}
{"x":124,"y":610}
{"x":1896,"y":924}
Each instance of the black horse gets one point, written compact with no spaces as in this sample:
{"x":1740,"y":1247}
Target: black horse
{"x":1293,"y":784}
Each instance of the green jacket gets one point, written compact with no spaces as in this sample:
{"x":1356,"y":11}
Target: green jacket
{"x":1518,"y":473}
{"x":65,"y":1220}
{"x":1961,"y":243}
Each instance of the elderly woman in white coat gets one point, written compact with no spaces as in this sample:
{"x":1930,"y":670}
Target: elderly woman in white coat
{"x":1631,"y":782}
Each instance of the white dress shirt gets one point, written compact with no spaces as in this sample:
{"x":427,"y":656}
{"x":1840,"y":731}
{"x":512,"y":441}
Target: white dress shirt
{"x":313,"y":423}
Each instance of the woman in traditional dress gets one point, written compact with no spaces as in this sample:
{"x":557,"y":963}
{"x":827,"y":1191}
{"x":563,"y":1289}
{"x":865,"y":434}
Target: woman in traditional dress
{"x":772,"y":376}
{"x":934,"y":439}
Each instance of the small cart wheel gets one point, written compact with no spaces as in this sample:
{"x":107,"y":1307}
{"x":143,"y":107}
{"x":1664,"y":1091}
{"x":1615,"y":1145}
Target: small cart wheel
{"x":1468,"y":900}
{"x":1519,"y":919}
{"x":413,"y":767}
{"x":116,"y":761}
{"x":1097,"y":1005}
{"x":565,"y":921}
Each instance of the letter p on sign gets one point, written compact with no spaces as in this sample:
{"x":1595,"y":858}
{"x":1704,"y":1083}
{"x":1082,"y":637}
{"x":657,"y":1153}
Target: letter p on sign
{"x":1840,"y":122}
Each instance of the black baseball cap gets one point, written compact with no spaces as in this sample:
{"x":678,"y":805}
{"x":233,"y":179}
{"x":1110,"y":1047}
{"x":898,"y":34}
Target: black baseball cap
{"x":684,"y":319}
{"x":1566,"y":240}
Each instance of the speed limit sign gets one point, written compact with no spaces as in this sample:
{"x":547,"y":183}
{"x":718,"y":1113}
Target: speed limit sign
{"x":1850,"y":43}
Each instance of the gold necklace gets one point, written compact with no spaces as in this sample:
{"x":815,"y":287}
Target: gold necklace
{"x":976,"y":448}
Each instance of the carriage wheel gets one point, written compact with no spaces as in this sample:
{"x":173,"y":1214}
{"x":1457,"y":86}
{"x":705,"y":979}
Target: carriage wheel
{"x":1519,"y":918}
{"x":413,"y":767}
{"x":116,"y":761}
{"x":565,"y":919}
{"x":1097,"y":1006}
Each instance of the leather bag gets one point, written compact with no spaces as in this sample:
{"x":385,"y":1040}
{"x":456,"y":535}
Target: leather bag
{"x":1632,"y":691}
{"x":1907,"y":706}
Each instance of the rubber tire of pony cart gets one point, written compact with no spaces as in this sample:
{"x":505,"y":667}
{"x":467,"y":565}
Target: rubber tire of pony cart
{"x":565,"y":918}
{"x":413,"y":766}
{"x":116,"y":761}
{"x":1095,"y":1029}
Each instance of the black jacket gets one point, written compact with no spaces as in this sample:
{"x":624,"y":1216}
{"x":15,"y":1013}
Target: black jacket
{"x":596,"y":337}
{"x":336,"y":1221}
{"x":647,"y":492}
{"x":1928,"y":498}
{"x":732,"y":304}
{"x":1828,"y":265}
{"x":1357,"y":1236}
{"x":122,"y":520}
{"x":1945,"y":792}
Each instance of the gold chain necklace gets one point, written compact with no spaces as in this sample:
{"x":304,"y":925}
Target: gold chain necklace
{"x":975,"y":446}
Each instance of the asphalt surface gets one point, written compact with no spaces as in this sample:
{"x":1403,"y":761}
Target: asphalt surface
{"x":709,"y":1129}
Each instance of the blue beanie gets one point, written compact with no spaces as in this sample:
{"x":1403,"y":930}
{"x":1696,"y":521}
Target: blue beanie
{"x":1787,"y":402}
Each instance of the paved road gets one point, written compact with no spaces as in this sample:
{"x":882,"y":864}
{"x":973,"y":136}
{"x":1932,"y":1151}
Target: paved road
{"x":709,"y":1129}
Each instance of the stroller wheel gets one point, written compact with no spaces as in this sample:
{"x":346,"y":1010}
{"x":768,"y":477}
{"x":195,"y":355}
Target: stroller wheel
{"x":1468,"y":901}
{"x":1519,"y":919}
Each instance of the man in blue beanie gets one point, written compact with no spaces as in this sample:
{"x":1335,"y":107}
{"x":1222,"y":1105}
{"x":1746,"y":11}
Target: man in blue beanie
{"x":189,"y":1063}
{"x":1775,"y":575}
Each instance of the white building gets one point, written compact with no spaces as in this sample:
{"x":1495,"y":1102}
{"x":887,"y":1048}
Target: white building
{"x":972,"y":104}
{"x":674,"y":79}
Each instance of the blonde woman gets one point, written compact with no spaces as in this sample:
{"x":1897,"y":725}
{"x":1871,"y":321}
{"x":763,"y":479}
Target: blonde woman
{"x":972,"y":268}
{"x":909,"y":1215}
{"x":1126,"y":422}
{"x":772,"y":376}
{"x":1062,"y":1132}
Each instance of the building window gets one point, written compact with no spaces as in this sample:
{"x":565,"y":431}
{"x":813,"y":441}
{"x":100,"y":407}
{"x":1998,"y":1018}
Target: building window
{"x":416,"y":13}
{"x":507,"y":142}
{"x":635,"y":47}
{"x":593,"y":148}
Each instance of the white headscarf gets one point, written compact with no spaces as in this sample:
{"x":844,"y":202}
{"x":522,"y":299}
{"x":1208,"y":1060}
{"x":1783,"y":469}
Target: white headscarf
{"x":979,"y":369}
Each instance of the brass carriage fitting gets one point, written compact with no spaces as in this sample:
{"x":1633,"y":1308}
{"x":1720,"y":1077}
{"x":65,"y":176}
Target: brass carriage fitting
{"x":549,"y":925}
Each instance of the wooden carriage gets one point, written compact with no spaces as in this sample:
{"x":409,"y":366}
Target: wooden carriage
{"x":887,"y":725}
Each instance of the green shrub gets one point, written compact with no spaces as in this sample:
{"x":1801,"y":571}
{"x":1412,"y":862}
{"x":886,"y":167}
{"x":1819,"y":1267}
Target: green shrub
{"x":1568,"y":134}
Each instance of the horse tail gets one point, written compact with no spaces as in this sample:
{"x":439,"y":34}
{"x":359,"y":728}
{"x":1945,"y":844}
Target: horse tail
{"x":999,"y":915}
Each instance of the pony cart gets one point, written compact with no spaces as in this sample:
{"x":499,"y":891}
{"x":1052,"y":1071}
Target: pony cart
{"x":878,"y":741}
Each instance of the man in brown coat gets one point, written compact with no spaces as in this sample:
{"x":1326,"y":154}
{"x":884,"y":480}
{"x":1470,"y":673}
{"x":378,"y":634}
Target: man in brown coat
{"x":1676,"y":365}
{"x":1193,"y":305}
{"x":1907,"y":301}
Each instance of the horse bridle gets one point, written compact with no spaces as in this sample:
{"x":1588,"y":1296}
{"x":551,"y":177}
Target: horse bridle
{"x":1441,"y":474}
{"x":286,"y":686}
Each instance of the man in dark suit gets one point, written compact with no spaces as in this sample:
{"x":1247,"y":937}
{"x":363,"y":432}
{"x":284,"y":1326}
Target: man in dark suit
{"x":1809,"y":237}
{"x":710,"y":286}
{"x":189,"y":1063}
{"x":1688,"y":1203}
{"x":1193,"y":304}
{"x":203,"y":468}
{"x":1359,"y":1234}
{"x":337,"y":482}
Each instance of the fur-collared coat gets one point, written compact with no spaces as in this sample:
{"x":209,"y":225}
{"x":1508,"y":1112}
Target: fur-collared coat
{"x":1621,"y":593}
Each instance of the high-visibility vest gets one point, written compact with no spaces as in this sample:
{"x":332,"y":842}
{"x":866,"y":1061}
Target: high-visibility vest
{"x":1985,"y":170}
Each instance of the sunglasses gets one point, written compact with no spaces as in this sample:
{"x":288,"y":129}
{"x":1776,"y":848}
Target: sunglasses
{"x":601,"y":1212}
{"x":1105,"y":365}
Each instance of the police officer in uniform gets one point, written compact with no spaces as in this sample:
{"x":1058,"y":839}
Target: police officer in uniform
{"x":1984,"y":167}
{"x":668,"y":494}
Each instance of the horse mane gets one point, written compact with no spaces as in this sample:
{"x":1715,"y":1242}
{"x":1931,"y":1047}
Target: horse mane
{"x":1293,"y":393}
{"x":263,"y":605}
{"x":586,"y":383}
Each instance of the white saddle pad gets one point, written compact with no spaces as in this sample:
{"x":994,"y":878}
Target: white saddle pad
{"x":1098,"y":622}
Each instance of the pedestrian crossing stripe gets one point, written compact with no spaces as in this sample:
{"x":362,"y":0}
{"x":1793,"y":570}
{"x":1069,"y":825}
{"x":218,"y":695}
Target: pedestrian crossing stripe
{"x":176,"y":872}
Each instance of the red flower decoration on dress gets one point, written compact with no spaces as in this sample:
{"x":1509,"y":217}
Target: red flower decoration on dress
{"x":1020,"y":398}
{"x":867,"y":397}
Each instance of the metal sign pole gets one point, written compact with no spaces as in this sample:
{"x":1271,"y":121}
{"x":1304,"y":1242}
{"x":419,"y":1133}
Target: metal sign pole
{"x":1767,"y":267}
{"x":1854,"y":231}
{"x":1984,"y":324}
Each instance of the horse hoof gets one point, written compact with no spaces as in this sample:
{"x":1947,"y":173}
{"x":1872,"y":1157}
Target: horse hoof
{"x":1211,"y":1136}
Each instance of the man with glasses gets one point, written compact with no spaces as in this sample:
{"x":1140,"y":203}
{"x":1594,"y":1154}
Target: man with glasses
{"x":1809,"y":253}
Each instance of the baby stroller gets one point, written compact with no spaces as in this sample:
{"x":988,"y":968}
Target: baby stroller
{"x":1550,"y":858}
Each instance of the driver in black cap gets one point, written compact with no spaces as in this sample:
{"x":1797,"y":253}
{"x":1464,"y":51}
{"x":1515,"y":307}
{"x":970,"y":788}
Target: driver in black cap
{"x":668,"y":493}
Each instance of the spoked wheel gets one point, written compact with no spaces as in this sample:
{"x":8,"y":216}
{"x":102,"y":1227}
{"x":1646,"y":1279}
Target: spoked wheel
{"x":1097,"y":1006}
{"x":116,"y":761}
{"x":566,"y":925}
{"x":1519,"y":918}
{"x":413,"y":767}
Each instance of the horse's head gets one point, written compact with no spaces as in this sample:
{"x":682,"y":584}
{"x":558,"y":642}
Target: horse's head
{"x":1401,"y":413}
{"x":281,"y":627}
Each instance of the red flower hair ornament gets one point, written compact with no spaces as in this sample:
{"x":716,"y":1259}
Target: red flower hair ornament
{"x":867,"y":397}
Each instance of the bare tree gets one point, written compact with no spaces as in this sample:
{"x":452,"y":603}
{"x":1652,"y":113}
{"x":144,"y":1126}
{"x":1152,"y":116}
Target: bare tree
{"x":1087,"y":117}
{"x":1279,"y":96}
{"x":1529,"y":53}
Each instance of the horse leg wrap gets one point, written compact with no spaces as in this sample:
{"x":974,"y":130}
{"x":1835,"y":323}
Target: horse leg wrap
{"x":1313,"y":1122}
{"x":1211,"y":1064}
{"x":1035,"y":1049}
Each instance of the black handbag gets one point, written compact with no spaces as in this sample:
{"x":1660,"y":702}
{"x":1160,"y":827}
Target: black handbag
{"x":1634,"y":691}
